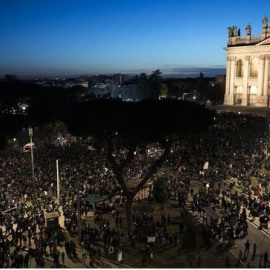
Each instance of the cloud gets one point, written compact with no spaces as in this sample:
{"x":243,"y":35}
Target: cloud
{"x":168,"y":70}
{"x":179,"y":72}
{"x":175,"y":71}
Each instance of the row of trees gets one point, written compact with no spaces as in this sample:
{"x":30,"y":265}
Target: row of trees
{"x":203,"y":86}
{"x":44,"y":105}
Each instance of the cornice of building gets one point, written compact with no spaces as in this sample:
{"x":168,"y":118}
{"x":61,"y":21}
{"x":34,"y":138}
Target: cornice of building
{"x":249,"y":49}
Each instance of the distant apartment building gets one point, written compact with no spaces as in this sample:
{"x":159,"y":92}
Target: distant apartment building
{"x":247,"y":73}
{"x":102,"y":89}
{"x":11,"y":77}
{"x":64,"y":83}
{"x":118,"y":86}
{"x":127,"y":92}
{"x":120,"y":78}
{"x":163,"y":91}
{"x":220,"y":80}
{"x":75,"y":82}
{"x":137,"y":92}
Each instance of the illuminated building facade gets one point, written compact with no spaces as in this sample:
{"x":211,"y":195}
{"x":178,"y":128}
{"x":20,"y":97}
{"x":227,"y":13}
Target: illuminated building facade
{"x":247,"y":72}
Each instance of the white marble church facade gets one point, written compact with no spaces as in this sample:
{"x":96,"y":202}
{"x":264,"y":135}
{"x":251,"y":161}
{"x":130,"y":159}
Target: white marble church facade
{"x":247,"y":74}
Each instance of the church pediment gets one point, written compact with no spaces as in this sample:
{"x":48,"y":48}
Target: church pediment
{"x":264,"y":42}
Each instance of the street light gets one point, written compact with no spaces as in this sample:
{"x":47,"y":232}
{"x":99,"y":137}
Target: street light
{"x":79,"y":212}
{"x":30,"y":132}
{"x":58,"y":181}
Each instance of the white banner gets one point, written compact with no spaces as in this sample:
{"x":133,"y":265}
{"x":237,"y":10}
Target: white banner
{"x":151,"y":239}
{"x":206,"y":165}
{"x":119,"y":256}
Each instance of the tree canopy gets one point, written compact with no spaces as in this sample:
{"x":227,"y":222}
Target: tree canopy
{"x":10,"y":124}
{"x":145,"y":121}
{"x":129,"y":129}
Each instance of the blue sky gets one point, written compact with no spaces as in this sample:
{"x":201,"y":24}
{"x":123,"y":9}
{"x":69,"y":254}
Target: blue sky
{"x":82,"y":37}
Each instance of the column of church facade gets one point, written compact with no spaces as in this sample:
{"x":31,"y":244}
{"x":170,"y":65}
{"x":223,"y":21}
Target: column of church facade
{"x":246,"y":76}
{"x":260,"y":80}
{"x":266,"y":76}
{"x":232,"y":78}
{"x":228,"y":76}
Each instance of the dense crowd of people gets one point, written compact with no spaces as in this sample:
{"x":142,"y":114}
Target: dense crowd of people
{"x":85,"y":171}
{"x":239,"y":158}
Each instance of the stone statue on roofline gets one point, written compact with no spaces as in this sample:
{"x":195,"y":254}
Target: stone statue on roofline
{"x":265,"y":22}
{"x":230,"y":31}
{"x":235,"y":31}
{"x":239,"y":32}
{"x":248,"y":30}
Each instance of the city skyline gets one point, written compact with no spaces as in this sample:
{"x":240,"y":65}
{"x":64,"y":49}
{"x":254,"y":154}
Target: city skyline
{"x":73,"y":38}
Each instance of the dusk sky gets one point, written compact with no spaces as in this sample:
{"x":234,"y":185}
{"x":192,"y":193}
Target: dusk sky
{"x":45,"y":38}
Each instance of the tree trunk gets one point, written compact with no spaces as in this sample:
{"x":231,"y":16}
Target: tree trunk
{"x":128,"y":208}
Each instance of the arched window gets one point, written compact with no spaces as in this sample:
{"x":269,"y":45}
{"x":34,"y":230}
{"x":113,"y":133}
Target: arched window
{"x":253,"y":71}
{"x":239,"y":68}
